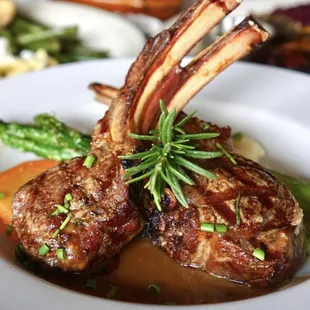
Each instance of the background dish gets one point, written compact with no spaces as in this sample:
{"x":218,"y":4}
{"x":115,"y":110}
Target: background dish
{"x":97,"y":28}
{"x":268,"y":104}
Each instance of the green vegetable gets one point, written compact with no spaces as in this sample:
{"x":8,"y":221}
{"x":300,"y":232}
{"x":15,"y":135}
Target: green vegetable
{"x":221,"y":228}
{"x":238,"y":217}
{"x":61,"y":253}
{"x":228,"y":155}
{"x":89,"y":161}
{"x":164,"y":162}
{"x":44,"y":249}
{"x":91,"y":284}
{"x":154,"y":288}
{"x":259,"y":253}
{"x":112,"y":292}
{"x":56,"y":33}
{"x":68,"y":197}
{"x":56,"y":233}
{"x":65,"y":222}
{"x":8,"y":230}
{"x":60,"y":209}
{"x":49,"y":138}
{"x":49,"y":45}
{"x":207,"y":227}
{"x":1,"y":195}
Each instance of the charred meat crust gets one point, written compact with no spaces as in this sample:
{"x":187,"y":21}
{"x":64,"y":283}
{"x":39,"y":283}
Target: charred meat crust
{"x":270,"y":219}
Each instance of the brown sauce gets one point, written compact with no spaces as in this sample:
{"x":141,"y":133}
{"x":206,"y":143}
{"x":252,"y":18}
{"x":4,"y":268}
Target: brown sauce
{"x":136,"y":267}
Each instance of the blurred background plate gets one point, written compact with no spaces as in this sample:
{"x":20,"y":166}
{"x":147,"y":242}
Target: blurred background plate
{"x":98,"y":29}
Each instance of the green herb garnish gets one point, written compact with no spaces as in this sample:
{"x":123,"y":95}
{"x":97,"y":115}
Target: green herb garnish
{"x":91,"y":284}
{"x":207,"y":227}
{"x":61,"y":253}
{"x":8,"y":230}
{"x":60,"y":209}
{"x":221,"y":228}
{"x":68,"y":197}
{"x":163,"y":164}
{"x":154,"y":288}
{"x":259,"y":253}
{"x":1,"y":195}
{"x":112,"y":292}
{"x":227,"y":154}
{"x":238,"y":217}
{"x":65,"y":222}
{"x":44,"y":249}
{"x":89,"y":161}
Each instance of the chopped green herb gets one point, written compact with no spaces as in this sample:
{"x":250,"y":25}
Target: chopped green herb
{"x":163,"y":164}
{"x":8,"y":230}
{"x":68,"y":197}
{"x":112,"y":292}
{"x":1,"y":195}
{"x":154,"y":288}
{"x":221,"y":228}
{"x":228,"y":155}
{"x":56,"y":233}
{"x":238,"y":217}
{"x":78,"y":222}
{"x":61,"y":253}
{"x":89,"y":161}
{"x":207,"y":227}
{"x":237,"y":136}
{"x":91,"y":284}
{"x":60,"y":209}
{"x":44,"y":249}
{"x":259,"y":253}
{"x":65,"y":222}
{"x":204,"y":126}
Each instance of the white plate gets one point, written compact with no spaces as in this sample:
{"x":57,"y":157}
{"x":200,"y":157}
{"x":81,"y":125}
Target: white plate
{"x":98,"y":29}
{"x":271,"y":105}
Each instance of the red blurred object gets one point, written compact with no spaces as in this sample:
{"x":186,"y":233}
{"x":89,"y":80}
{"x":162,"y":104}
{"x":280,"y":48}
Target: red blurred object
{"x":162,"y":9}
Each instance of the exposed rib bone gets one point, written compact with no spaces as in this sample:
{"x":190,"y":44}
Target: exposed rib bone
{"x":104,"y":93}
{"x":190,"y":28}
{"x":183,"y":83}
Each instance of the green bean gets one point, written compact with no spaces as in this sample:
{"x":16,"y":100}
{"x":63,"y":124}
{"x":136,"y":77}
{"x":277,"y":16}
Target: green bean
{"x":56,"y":33}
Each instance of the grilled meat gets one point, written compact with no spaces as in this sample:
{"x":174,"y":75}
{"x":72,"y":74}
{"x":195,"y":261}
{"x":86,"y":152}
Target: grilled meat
{"x":270,"y":219}
{"x":102,"y":217}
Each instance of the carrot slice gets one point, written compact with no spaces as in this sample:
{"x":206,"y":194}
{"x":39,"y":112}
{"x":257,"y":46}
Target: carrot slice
{"x":11,"y":180}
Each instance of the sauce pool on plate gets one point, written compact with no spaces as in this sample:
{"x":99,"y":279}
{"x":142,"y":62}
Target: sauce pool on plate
{"x":140,"y":273}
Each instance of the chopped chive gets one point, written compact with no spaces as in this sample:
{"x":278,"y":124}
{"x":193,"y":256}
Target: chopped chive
{"x":44,"y":249}
{"x":61,"y":253}
{"x":91,"y":284}
{"x":89,"y":161}
{"x":204,"y":126}
{"x":65,"y":222}
{"x":60,"y":209}
{"x":228,"y":155}
{"x":207,"y":227}
{"x":56,"y":233}
{"x":238,"y":217}
{"x":237,"y":136}
{"x":78,"y":222}
{"x":259,"y":253}
{"x":154,"y":288}
{"x":221,"y":228}
{"x":1,"y":195}
{"x":112,"y":292}
{"x":68,"y":197}
{"x":8,"y":230}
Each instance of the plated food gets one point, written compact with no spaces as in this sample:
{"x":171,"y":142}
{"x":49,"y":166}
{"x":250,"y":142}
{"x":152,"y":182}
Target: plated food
{"x":200,"y":202}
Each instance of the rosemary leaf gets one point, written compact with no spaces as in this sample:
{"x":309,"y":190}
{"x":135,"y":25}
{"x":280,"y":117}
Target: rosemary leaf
{"x":179,"y":130}
{"x":141,"y":177}
{"x":163,"y":107}
{"x":180,"y":176}
{"x":167,"y":127}
{"x":195,"y":168}
{"x":185,"y":119}
{"x":199,"y":136}
{"x":137,"y":155}
{"x":132,"y":171}
{"x":143,"y":137}
{"x":202,"y":154}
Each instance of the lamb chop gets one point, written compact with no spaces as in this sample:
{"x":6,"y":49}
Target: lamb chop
{"x":79,"y":214}
{"x":258,"y":211}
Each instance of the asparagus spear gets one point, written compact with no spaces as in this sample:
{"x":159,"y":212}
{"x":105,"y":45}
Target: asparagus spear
{"x":57,"y":33}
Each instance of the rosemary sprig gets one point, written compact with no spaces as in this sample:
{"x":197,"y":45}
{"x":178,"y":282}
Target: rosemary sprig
{"x":169,"y":155}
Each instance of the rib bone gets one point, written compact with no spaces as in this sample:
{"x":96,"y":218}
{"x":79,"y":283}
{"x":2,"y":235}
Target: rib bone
{"x":183,"y":83}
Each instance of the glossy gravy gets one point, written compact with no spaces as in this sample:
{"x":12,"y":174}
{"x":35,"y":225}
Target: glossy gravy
{"x":129,"y":275}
